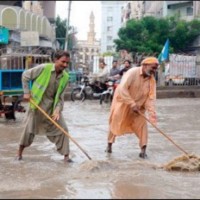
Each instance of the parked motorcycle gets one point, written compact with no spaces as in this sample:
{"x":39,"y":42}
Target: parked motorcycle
{"x":107,"y":95}
{"x":86,"y":90}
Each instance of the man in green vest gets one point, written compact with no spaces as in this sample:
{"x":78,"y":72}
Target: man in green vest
{"x":49,"y":81}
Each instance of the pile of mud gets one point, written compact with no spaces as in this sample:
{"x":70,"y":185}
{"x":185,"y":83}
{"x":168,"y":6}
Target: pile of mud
{"x":187,"y":163}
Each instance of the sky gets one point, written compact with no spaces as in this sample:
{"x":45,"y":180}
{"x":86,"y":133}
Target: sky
{"x":80,"y":14}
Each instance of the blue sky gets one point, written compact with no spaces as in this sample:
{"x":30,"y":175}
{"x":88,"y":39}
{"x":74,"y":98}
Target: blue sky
{"x":80,"y":13}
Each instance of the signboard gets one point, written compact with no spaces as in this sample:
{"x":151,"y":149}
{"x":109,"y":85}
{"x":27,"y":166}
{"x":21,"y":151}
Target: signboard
{"x":182,"y":65}
{"x":4,"y":35}
{"x":29,"y":38}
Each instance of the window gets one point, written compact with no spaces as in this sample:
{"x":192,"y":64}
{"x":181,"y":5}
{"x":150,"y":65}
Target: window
{"x":109,"y":28}
{"x":109,"y":38}
{"x":109,"y":19}
{"x":109,"y":11}
{"x":189,"y":11}
{"x":128,"y":15}
{"x":109,"y":48}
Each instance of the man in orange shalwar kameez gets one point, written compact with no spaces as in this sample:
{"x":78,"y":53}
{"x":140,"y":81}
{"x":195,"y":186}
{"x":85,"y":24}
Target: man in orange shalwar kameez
{"x":136,"y":92}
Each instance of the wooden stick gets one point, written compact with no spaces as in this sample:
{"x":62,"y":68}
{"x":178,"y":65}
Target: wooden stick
{"x":58,"y":126}
{"x":163,"y":133}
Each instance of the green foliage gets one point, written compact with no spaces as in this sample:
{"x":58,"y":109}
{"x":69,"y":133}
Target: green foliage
{"x":149,"y":34}
{"x":61,"y":27}
{"x":61,"y":31}
{"x":108,"y":53}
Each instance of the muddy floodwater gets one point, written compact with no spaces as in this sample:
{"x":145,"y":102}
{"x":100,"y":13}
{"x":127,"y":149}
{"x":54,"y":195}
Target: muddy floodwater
{"x":122,"y":175}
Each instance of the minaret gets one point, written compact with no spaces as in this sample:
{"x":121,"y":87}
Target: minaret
{"x":91,"y":33}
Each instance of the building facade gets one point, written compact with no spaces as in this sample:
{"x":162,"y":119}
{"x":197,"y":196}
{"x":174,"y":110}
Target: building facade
{"x":49,"y":10}
{"x":184,"y":9}
{"x":187,"y":10}
{"x":28,"y":27}
{"x":111,"y":23}
{"x":132,"y":10}
{"x":153,"y":8}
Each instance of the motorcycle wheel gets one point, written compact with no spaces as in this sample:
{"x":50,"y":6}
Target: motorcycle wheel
{"x":77,"y":96}
{"x":105,"y":98}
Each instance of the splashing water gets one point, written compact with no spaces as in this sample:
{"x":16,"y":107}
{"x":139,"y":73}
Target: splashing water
{"x":96,"y":165}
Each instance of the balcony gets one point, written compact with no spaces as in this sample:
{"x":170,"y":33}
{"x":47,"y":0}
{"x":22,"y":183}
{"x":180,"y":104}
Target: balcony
{"x":177,"y":2}
{"x":18,"y":19}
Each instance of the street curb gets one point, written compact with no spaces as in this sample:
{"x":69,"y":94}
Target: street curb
{"x":164,"y":92}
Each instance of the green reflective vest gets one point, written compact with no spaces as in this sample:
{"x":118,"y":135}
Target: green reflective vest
{"x":40,"y":84}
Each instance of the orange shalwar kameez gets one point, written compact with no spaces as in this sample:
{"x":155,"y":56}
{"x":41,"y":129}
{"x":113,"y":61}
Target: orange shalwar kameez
{"x":133,"y":90}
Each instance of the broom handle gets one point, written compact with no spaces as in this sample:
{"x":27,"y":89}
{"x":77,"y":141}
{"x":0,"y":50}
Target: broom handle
{"x":163,"y":133}
{"x":58,"y":126}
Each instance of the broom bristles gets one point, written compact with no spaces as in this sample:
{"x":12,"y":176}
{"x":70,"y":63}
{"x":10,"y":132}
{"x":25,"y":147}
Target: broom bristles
{"x":184,"y":163}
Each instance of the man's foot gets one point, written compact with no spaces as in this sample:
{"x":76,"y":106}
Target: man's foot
{"x":20,"y":151}
{"x":18,"y":157}
{"x":67,"y":159}
{"x":142,"y":155}
{"x":109,"y":148}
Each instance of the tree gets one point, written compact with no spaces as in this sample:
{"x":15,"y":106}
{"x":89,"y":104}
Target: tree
{"x":61,"y":28}
{"x":149,"y":34}
{"x":61,"y":31}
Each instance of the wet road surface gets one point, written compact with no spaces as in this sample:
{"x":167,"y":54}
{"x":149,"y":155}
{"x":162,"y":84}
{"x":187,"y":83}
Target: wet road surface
{"x":123,"y":175}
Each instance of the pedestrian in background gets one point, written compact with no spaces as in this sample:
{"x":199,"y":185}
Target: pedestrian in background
{"x":99,"y":79}
{"x":115,"y":69}
{"x":125,"y":68}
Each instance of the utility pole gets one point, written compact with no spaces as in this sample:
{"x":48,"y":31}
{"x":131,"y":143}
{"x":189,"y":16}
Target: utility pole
{"x":67,"y":28}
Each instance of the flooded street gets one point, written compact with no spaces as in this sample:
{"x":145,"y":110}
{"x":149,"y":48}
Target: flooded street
{"x":121,"y":175}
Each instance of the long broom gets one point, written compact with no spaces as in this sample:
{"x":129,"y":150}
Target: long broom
{"x":58,"y":126}
{"x":164,"y":134}
{"x":182,"y":163}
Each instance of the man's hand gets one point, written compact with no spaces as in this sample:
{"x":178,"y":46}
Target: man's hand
{"x":136,"y":109}
{"x":56,"y":115}
{"x":153,"y":119}
{"x":27,"y":97}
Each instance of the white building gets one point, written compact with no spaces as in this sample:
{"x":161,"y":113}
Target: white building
{"x":28,"y":27}
{"x":111,"y":23}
